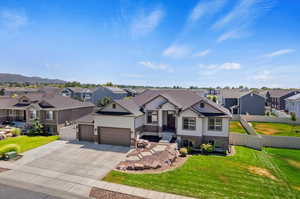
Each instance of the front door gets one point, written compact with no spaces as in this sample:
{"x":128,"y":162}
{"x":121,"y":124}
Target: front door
{"x":171,"y":120}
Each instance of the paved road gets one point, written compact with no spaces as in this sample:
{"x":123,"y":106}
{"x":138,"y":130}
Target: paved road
{"x":10,"y":192}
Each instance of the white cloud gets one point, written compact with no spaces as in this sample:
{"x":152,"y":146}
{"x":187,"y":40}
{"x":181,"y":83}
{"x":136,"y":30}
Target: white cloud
{"x":12,"y":20}
{"x":146,"y":23}
{"x":233,"y":34}
{"x":263,"y":76}
{"x":156,"y":66}
{"x":176,"y":51}
{"x":243,"y":15}
{"x":224,"y":66}
{"x":280,"y":52}
{"x":202,"y":53}
{"x":205,"y":8}
{"x":212,"y":69}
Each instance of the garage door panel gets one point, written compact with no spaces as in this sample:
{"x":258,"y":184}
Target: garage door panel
{"x":86,"y":133}
{"x":114,"y":136}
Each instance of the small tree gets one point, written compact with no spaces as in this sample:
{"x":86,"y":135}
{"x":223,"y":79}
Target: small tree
{"x":104,"y":101}
{"x":37,"y":128}
{"x":293,"y":116}
{"x":2,"y":92}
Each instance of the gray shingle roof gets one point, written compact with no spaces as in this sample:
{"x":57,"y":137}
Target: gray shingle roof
{"x":280,"y":93}
{"x":294,"y":97}
{"x":57,"y":101}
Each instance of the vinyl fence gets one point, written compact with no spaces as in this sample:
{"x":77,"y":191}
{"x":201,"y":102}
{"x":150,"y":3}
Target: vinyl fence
{"x":281,"y":141}
{"x":259,"y":118}
{"x":251,"y":141}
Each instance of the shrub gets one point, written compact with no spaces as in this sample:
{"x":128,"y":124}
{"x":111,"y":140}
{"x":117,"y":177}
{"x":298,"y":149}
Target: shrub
{"x":183,"y":152}
{"x":16,"y":131}
{"x":293,"y":116}
{"x":206,"y":148}
{"x":9,"y":148}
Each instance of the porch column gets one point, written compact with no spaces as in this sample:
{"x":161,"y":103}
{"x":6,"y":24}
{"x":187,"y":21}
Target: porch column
{"x":160,"y":120}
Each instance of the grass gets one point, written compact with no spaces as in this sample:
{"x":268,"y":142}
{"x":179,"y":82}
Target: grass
{"x":271,"y":173}
{"x":236,"y":127}
{"x":28,"y":142}
{"x":279,"y":129}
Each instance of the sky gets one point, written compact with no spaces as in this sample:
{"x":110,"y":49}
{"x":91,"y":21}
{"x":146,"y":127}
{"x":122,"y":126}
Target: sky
{"x":186,"y":43}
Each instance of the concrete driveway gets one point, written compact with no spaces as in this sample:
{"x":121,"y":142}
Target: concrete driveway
{"x":81,"y":159}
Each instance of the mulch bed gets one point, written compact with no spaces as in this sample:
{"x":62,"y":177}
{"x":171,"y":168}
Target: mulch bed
{"x":3,"y":169}
{"x":105,"y":194}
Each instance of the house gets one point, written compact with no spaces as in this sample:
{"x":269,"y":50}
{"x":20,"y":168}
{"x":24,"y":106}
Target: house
{"x":94,"y":94}
{"x":53,"y":111}
{"x":243,"y":102}
{"x":9,"y":91}
{"x":292,"y":105}
{"x":276,"y":98}
{"x":180,"y":114}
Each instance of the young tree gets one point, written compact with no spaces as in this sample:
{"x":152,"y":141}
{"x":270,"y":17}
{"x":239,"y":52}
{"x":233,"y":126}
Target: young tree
{"x":2,"y":91}
{"x":37,"y":128}
{"x":104,"y":101}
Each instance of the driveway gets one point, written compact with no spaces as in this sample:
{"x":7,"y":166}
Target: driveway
{"x":83,"y":159}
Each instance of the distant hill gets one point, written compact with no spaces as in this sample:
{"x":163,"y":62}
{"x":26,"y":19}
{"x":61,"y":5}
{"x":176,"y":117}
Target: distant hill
{"x":12,"y":78}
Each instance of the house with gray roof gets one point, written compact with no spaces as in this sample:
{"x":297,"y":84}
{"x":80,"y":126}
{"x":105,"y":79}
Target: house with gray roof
{"x":292,"y":104}
{"x":53,"y":111}
{"x":243,"y":102}
{"x":94,"y":94}
{"x":276,"y":97}
{"x":167,"y":114}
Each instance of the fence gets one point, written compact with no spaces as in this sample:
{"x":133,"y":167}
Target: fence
{"x":259,"y":118}
{"x":281,"y":141}
{"x":252,"y":141}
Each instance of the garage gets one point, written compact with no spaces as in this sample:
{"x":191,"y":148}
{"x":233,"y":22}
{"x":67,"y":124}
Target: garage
{"x":114,"y":136}
{"x":86,"y":132}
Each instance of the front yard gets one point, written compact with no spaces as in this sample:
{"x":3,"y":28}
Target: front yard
{"x":236,"y":127}
{"x":277,"y":129}
{"x":271,"y":173}
{"x":28,"y":142}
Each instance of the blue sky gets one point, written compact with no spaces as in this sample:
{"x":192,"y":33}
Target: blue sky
{"x":161,"y":43}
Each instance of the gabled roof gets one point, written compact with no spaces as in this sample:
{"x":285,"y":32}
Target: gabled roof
{"x":237,"y":93}
{"x":82,"y":90}
{"x":294,"y":97}
{"x":130,"y":106}
{"x":115,"y":89}
{"x":280,"y":92}
{"x":55,"y":101}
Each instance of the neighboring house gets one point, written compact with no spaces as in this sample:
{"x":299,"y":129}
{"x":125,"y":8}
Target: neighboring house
{"x":243,"y":102}
{"x":94,"y":94}
{"x":130,"y":92}
{"x":53,"y":111}
{"x":181,"y":114}
{"x":9,"y":91}
{"x":292,"y":104}
{"x":276,"y":98}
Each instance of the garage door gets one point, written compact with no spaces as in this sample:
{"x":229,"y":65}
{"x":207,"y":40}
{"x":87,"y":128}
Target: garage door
{"x":114,"y":136}
{"x":86,"y":132}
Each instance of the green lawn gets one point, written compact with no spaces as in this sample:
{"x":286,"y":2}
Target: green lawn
{"x":236,"y":127}
{"x":271,"y":173}
{"x":278,"y":129}
{"x":26,"y":142}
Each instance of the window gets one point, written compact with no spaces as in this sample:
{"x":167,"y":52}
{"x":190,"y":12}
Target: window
{"x":215,"y":124}
{"x":49,"y":115}
{"x":152,"y":117}
{"x":32,"y":114}
{"x":202,"y":105}
{"x":189,"y":123}
{"x":114,"y":106}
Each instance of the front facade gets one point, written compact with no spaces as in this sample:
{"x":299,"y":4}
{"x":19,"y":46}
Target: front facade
{"x":239,"y":102}
{"x":181,"y":115}
{"x":292,"y":105}
{"x":276,"y":98}
{"x":52,"y":111}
